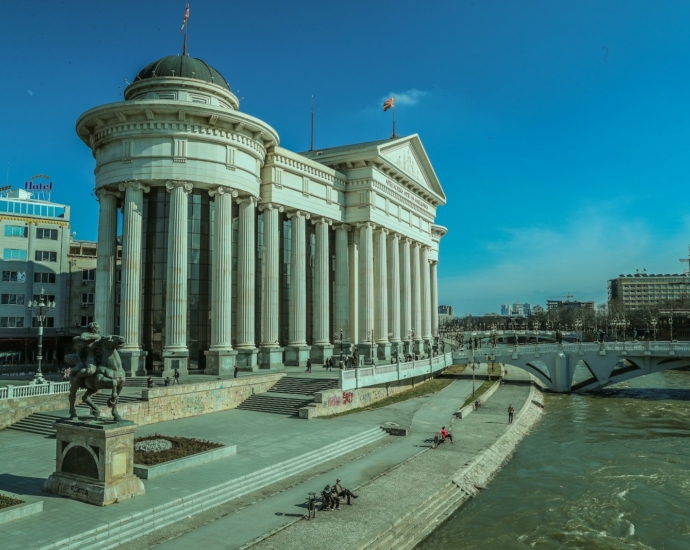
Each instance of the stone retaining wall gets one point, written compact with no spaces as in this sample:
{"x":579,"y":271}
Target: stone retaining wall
{"x":14,"y":410}
{"x":158,"y":404}
{"x":329,"y":402}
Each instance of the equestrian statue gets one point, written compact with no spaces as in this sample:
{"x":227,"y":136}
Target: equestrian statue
{"x":96,"y":366}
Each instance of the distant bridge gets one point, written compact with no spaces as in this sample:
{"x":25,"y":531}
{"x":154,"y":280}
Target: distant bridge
{"x":597,"y":365}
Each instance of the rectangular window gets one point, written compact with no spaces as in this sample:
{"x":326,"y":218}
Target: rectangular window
{"x":40,"y":277}
{"x":87,"y":298}
{"x":48,"y":323}
{"x":11,"y":322}
{"x":86,"y":320}
{"x":88,"y":275}
{"x":50,"y":234}
{"x":12,"y":299}
{"x":13,"y":254}
{"x":14,"y":276}
{"x":16,"y":231}
{"x":46,"y":256}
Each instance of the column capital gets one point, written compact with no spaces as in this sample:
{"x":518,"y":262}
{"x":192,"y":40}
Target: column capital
{"x":271,"y":206}
{"x":133,"y":184}
{"x":320,"y":220}
{"x":298,"y":214}
{"x":366,"y":224}
{"x":433,"y":262}
{"x":406,"y":240}
{"x":103,"y":191}
{"x":382,"y":230}
{"x":393,"y":235}
{"x":247,"y":198}
{"x":222,"y":190}
{"x":342,"y":225}
{"x":187,"y":186}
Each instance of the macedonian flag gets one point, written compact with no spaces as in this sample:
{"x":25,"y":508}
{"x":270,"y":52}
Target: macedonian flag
{"x":390,"y":102}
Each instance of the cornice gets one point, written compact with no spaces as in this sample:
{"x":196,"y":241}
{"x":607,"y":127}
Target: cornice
{"x":302,"y":168}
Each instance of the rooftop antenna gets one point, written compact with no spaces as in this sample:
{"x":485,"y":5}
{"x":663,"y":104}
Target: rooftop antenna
{"x":312,"y":123}
{"x":184,"y":28}
{"x":686,"y":272}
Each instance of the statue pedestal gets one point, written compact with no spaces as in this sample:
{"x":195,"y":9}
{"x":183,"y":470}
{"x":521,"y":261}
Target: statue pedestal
{"x":95,"y":462}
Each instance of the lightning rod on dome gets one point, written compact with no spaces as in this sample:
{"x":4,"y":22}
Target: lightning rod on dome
{"x":185,"y":27}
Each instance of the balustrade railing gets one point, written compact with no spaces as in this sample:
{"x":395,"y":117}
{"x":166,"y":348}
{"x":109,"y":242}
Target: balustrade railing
{"x":367,"y":376}
{"x":18,"y":392}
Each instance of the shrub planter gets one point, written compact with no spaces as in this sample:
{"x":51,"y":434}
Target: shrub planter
{"x":26,"y":506}
{"x":149,"y":472}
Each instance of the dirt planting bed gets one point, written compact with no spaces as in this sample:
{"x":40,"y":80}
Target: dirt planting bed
{"x":181,"y":447}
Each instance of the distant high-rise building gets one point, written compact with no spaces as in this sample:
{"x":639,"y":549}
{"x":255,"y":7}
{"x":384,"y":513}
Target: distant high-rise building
{"x":445,"y":310}
{"x":568,"y":304}
{"x":642,"y":290}
{"x":521,"y":310}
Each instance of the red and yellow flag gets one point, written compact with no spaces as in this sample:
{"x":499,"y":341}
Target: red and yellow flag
{"x":390,"y":102}
{"x":184,"y":19}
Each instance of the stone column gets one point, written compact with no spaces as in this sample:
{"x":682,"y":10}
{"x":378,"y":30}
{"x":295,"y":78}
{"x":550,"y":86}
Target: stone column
{"x":426,"y":299}
{"x":270,"y":352}
{"x":394,"y":290}
{"x":321,"y":348}
{"x":434,"y":297}
{"x":220,"y":358}
{"x":104,"y":310}
{"x":175,"y":352}
{"x":130,"y":286}
{"x":383,"y":346}
{"x":366,"y":291}
{"x":417,"y":300}
{"x":341,"y":314}
{"x":246,"y":277}
{"x":297,"y":351}
{"x":405,"y":294}
{"x":353,"y":280}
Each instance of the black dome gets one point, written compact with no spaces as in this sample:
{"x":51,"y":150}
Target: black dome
{"x":183,"y":67}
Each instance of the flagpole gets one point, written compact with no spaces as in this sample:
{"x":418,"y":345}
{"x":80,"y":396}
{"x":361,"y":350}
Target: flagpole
{"x":393,"y":135}
{"x":312,"y":123}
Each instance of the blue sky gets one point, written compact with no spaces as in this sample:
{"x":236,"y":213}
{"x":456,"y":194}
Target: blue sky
{"x":559,"y":130}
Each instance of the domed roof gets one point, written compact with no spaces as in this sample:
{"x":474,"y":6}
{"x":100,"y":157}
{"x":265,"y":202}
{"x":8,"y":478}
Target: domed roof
{"x":184,"y":67}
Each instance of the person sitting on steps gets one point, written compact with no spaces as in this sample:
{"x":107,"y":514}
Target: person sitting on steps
{"x":446,"y":434}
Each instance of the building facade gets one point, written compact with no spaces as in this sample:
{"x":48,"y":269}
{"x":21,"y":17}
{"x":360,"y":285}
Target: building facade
{"x":552,"y":305}
{"x":34,"y":238}
{"x":522,"y":310}
{"x":236,"y":251}
{"x":640,"y":291}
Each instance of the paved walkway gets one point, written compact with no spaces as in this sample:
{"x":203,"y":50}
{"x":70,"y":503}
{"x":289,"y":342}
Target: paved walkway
{"x":31,"y":461}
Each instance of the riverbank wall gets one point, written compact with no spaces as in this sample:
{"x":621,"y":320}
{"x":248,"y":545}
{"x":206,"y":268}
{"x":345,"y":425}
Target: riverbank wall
{"x":412,"y":528}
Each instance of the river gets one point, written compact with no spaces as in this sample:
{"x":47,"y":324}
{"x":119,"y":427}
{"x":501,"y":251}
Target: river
{"x":609,"y":470}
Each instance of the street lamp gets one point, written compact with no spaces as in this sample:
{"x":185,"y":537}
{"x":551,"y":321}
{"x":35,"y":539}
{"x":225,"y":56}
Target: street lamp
{"x":654,"y":322}
{"x":371,"y":348}
{"x":670,"y":324}
{"x":410,"y":337}
{"x":341,"y":346}
{"x":40,"y":309}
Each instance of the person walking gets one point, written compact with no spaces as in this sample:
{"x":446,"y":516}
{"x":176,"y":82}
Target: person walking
{"x":511,"y":412}
{"x":176,"y":377}
{"x":308,"y":365}
{"x":234,"y":374}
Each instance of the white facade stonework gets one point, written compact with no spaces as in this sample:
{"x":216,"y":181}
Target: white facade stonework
{"x":256,"y":257}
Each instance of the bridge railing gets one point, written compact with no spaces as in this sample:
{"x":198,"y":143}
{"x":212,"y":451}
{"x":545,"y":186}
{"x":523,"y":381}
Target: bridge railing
{"x":627,"y":347}
{"x":32,"y":390}
{"x":372,"y":376}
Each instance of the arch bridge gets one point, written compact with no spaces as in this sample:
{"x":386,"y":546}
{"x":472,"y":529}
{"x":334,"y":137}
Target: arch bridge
{"x":597,"y":365}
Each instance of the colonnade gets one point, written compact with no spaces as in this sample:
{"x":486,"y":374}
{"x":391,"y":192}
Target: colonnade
{"x":385,"y":292}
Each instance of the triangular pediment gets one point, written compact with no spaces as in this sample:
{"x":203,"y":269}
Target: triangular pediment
{"x":408,"y":156}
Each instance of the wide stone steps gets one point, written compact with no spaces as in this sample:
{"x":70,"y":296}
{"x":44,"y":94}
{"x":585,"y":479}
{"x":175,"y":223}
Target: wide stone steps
{"x":42,"y":423}
{"x":142,"y":523}
{"x":261,"y":402}
{"x":303,"y":386}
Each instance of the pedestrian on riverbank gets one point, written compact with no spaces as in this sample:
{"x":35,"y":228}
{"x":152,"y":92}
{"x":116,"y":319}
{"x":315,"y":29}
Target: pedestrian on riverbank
{"x":308,"y":365}
{"x":176,"y":377}
{"x":234,"y":375}
{"x":511,"y":412}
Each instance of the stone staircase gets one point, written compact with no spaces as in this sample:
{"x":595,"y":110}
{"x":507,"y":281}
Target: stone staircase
{"x":288,"y":395}
{"x":42,"y":423}
{"x":134,"y":526}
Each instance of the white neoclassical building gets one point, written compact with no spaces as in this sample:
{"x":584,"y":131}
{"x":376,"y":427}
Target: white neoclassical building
{"x":236,"y":251}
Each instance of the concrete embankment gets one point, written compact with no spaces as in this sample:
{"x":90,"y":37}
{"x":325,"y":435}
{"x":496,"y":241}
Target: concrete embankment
{"x":400,"y":508}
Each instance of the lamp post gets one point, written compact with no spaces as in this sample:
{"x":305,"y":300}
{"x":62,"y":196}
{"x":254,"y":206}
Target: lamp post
{"x":578,"y":329}
{"x":341,"y":346}
{"x":654,"y":322}
{"x":40,"y":309}
{"x":371,"y":348}
{"x":670,"y":325}
{"x":410,"y":336}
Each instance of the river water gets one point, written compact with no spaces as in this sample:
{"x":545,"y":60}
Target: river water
{"x":610,"y":471}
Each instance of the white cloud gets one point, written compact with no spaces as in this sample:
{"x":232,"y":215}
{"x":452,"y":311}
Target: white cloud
{"x":534,"y":264}
{"x":409,"y":97}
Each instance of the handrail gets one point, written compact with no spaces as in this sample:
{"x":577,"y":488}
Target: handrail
{"x":34,"y":390}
